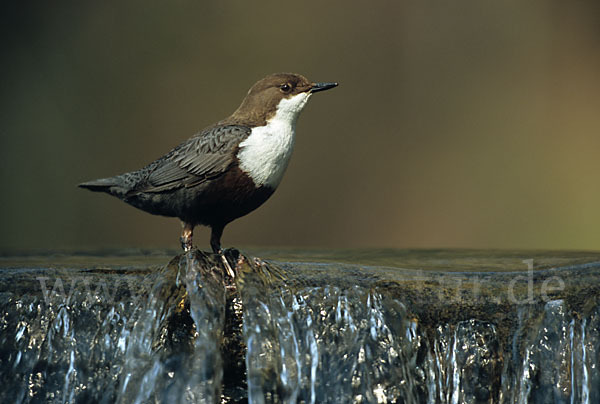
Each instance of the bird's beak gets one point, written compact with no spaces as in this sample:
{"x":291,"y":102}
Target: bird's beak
{"x":322,"y":86}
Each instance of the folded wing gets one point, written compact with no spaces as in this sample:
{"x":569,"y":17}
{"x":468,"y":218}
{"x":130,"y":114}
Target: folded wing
{"x":203,"y":157}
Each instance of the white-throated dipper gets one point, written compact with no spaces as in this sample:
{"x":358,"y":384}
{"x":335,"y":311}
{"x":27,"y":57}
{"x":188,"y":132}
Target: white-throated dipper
{"x":228,"y":169}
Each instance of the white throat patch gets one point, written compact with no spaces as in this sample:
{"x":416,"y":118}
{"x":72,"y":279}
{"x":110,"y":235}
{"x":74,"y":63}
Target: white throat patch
{"x":265,"y":154}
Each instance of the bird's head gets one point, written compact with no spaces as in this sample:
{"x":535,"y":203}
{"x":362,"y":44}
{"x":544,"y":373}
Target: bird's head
{"x":281,"y":93}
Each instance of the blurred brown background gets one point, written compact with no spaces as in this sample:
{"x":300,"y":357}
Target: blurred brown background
{"x":456,"y":124}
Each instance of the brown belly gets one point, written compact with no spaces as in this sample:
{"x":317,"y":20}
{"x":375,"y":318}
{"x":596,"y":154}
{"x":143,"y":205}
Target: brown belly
{"x":231,"y":196}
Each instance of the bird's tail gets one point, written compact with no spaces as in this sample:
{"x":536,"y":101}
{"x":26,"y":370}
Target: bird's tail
{"x":112,"y":185}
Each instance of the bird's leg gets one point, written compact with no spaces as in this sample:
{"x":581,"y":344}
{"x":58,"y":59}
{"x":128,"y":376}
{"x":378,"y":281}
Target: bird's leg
{"x":186,"y":236}
{"x":215,"y":243}
{"x":215,"y":238}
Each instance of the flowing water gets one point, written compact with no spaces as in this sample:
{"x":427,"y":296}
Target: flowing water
{"x":371,"y":326}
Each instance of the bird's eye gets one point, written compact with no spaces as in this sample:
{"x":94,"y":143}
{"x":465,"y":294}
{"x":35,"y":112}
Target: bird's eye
{"x":285,"y":88}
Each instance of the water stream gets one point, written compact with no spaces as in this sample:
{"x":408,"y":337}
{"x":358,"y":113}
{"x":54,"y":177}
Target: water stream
{"x":354,"y":327}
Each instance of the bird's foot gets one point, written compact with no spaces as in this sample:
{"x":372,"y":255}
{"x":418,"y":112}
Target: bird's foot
{"x":186,"y":244}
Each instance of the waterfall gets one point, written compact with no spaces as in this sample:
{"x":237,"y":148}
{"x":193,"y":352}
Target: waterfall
{"x":297,"y":333}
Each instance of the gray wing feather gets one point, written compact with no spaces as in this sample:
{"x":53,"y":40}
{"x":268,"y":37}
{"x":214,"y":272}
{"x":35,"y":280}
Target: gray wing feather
{"x":205,"y":156}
